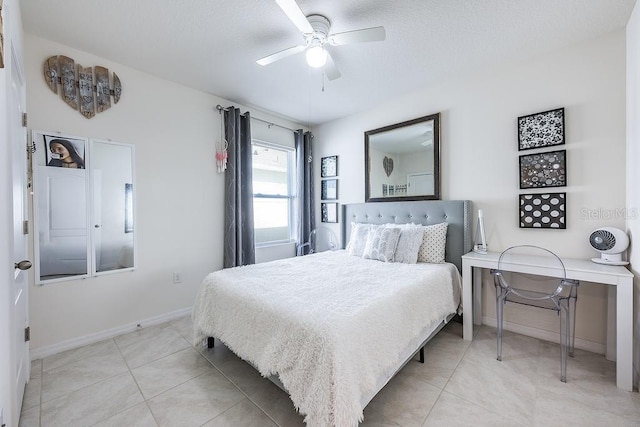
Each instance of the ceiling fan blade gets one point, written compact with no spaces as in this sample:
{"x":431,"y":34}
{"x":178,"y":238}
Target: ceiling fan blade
{"x":293,"y":11}
{"x":374,"y":34}
{"x":279,"y":55}
{"x":330,"y":68}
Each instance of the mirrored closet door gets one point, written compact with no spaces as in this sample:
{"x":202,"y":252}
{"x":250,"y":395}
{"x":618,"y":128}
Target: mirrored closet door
{"x":112,"y":194}
{"x":84,"y":202}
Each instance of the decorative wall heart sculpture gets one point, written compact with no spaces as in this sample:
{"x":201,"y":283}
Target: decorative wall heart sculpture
{"x":78,"y":89}
{"x":387,"y":164}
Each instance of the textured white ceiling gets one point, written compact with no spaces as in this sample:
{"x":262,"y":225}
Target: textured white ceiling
{"x":212,"y":45}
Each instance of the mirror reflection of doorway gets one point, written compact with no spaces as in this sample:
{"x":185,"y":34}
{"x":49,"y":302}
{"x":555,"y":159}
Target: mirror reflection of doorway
{"x":419,"y":183}
{"x":62,"y":222}
{"x":112,"y":188}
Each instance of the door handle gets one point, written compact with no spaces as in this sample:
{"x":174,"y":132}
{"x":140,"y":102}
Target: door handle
{"x":23,"y":265}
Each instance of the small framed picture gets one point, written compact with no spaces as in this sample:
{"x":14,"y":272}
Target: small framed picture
{"x":544,"y":210}
{"x":329,"y":166}
{"x":541,"y":130}
{"x":329,"y":189}
{"x":61,"y":151}
{"x":329,"y":212}
{"x":543,"y":170}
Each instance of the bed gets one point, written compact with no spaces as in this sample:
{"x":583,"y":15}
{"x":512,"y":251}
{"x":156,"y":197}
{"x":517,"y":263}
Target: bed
{"x":333,"y":328}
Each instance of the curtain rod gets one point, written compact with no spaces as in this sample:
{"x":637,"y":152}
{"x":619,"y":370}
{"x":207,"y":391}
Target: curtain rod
{"x":220,"y":109}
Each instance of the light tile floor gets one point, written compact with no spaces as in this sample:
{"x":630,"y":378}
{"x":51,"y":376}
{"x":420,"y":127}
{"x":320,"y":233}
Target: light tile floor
{"x":155,"y":377}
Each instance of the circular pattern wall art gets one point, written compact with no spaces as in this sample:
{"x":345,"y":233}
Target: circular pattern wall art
{"x":543,"y":170}
{"x":545,"y":210}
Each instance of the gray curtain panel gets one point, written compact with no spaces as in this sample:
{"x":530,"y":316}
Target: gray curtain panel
{"x":304,"y":168}
{"x":239,"y":242}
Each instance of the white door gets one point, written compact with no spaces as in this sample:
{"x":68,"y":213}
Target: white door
{"x":19,"y":294}
{"x":62,"y":223}
{"x":420,"y":184}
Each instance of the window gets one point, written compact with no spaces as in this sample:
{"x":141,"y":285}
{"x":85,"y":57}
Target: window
{"x":273,"y":193}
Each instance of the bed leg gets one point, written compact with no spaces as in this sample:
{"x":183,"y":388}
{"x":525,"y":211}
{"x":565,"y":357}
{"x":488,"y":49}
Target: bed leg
{"x":210,"y":342}
{"x":422,"y":355}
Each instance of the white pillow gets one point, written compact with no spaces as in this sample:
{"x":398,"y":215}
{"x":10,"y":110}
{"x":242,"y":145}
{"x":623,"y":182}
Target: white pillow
{"x":409,"y":243}
{"x":357,"y":239}
{"x":381,"y":243}
{"x":433,"y":243}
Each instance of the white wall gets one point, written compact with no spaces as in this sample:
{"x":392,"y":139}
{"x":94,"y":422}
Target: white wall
{"x":479,"y":159}
{"x":633,"y":161}
{"x":179,"y":198}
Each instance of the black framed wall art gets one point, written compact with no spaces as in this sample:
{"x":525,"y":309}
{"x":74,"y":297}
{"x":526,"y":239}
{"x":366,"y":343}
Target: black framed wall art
{"x":329,"y":166}
{"x":544,"y":210}
{"x":543,"y":170}
{"x":540,"y":130}
{"x":329,"y":212}
{"x":329,"y":189}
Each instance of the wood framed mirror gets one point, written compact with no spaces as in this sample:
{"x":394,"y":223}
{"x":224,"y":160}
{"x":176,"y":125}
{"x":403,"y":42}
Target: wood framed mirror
{"x":402,"y":161}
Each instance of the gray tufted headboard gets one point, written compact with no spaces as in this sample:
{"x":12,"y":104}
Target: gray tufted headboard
{"x":457,"y":213}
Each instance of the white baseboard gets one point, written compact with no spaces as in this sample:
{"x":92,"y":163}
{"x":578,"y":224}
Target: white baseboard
{"x":49,"y":350}
{"x":591,"y":346}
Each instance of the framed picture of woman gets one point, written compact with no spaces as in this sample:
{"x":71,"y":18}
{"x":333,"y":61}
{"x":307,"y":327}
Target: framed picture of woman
{"x":63,"y":151}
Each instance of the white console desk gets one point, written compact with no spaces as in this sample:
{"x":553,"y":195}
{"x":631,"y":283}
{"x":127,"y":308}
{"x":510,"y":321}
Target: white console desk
{"x":620,"y":301}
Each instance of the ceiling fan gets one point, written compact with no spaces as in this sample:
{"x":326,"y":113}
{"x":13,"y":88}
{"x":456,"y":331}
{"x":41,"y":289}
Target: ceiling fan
{"x":315,"y":29}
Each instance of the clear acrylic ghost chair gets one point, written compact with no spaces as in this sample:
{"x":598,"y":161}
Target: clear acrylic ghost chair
{"x":555,"y":293}
{"x":320,"y":239}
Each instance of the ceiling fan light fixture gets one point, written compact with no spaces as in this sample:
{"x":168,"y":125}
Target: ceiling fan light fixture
{"x":316,"y":56}
{"x":316,"y":30}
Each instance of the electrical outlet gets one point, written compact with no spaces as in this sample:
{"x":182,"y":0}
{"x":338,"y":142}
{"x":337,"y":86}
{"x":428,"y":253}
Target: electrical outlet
{"x":177,"y":277}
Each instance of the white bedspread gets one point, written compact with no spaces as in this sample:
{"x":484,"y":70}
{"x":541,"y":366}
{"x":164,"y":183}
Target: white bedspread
{"x":327,"y":324}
